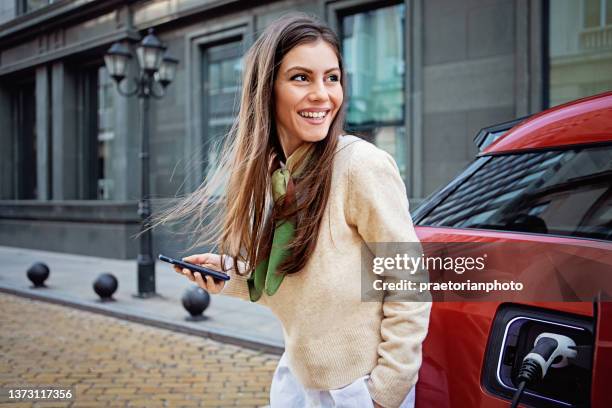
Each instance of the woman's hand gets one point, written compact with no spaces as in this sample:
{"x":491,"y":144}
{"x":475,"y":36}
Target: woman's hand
{"x":208,"y":283}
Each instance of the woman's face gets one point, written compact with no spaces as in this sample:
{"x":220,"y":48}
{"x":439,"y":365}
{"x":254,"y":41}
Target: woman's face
{"x":307,"y":94}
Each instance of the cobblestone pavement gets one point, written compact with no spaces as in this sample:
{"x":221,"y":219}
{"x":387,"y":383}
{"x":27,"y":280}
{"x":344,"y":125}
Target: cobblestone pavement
{"x":115,"y":363}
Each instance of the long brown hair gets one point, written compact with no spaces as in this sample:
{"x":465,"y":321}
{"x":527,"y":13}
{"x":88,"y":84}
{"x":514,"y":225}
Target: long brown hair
{"x":243,"y":218}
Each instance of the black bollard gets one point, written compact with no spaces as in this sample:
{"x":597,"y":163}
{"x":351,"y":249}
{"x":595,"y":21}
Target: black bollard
{"x":105,"y":285}
{"x":37,"y":274}
{"x":195,"y":301}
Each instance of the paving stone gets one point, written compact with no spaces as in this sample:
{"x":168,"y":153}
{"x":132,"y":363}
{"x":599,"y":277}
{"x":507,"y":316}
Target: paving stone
{"x":108,"y":362}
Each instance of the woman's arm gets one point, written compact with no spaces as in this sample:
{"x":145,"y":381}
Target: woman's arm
{"x":378,"y":208}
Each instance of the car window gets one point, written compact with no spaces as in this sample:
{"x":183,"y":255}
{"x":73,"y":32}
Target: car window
{"x":565,"y":192}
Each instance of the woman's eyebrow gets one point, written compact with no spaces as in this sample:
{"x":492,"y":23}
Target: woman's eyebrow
{"x":298,"y":68}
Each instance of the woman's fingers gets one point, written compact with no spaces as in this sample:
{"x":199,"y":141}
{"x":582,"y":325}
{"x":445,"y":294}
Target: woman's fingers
{"x":208,"y":283}
{"x":200,"y":259}
{"x":200,"y":281}
{"x":188,"y":274}
{"x":196,"y":259}
{"x":178,"y":269}
{"x":215,"y":286}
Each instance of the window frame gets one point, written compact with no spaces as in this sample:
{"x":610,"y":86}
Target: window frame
{"x":87,"y":125}
{"x":544,"y":33}
{"x":343,"y":10}
{"x":602,"y":16}
{"x":205,"y":106}
{"x":21,"y":6}
{"x":412,"y":122}
{"x":195,"y":43}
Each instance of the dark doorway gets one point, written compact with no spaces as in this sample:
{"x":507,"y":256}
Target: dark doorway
{"x":23,"y":114}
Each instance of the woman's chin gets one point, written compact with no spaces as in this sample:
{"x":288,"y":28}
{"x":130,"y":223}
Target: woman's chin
{"x":313,"y":137}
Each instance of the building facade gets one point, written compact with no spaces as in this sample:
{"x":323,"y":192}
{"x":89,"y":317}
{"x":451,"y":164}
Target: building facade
{"x":424,"y":77}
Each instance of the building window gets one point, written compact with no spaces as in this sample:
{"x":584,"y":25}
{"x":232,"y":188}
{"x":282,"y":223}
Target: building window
{"x":221,"y":74}
{"x":23,"y":114}
{"x":96,"y":135}
{"x":27,"y":6}
{"x":105,"y":135}
{"x":373,"y":50}
{"x":580,"y":49}
{"x":597,"y":13}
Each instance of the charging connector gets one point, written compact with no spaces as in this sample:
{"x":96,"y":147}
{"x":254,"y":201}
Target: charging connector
{"x":548,"y":348}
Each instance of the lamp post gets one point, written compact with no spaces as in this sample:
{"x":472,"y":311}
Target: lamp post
{"x":155,"y":68}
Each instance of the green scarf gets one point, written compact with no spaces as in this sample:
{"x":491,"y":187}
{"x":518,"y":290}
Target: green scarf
{"x":265,"y":277}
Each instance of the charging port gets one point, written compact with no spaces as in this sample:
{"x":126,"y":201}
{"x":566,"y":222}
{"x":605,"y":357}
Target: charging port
{"x":515,"y":330}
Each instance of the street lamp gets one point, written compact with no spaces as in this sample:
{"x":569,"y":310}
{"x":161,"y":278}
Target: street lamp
{"x":155,"y":68}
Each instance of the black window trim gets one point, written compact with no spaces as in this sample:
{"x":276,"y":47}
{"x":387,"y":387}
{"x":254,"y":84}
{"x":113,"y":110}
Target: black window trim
{"x":435,"y":198}
{"x":550,"y":148}
{"x":507,"y":126}
{"x":439,"y":195}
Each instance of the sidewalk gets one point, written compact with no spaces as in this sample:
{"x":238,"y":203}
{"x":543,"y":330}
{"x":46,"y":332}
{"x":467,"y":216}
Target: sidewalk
{"x":70,"y":282}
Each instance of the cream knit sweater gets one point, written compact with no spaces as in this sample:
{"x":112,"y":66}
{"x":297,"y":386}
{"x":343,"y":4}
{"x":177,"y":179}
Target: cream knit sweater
{"x":331,"y":336}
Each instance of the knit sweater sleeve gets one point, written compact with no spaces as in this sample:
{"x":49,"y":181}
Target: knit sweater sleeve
{"x":237,"y":285}
{"x":378,"y":208}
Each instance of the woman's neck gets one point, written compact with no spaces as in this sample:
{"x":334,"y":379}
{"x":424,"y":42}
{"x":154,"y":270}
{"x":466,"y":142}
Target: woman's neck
{"x":290,"y":147}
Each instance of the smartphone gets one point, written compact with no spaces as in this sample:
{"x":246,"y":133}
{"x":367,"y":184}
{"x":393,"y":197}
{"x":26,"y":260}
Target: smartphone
{"x":195,"y":268}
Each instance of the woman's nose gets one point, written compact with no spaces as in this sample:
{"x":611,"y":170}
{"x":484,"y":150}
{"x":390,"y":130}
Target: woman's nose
{"x":318,"y":91}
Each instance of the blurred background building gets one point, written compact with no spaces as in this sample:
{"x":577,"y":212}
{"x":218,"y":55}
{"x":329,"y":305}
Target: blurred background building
{"x":425,"y":76}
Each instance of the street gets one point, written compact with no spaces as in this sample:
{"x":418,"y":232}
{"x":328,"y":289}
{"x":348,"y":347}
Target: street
{"x":109,"y":362}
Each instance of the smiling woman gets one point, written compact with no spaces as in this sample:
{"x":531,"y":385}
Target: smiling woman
{"x":301,"y":201}
{"x":307,"y":91}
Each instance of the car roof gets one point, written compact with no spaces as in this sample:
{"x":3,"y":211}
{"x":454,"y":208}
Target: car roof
{"x":587,"y":120}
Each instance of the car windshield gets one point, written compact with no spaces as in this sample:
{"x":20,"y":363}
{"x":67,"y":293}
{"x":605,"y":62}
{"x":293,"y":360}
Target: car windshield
{"x":563,"y":192}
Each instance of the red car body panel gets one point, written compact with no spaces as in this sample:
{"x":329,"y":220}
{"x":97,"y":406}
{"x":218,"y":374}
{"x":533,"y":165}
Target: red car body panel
{"x":454,"y":351}
{"x":585,"y":121}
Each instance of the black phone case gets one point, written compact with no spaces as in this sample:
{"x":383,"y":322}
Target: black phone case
{"x":195,"y":268}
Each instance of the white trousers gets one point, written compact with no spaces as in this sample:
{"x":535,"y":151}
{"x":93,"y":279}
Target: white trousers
{"x":287,"y":392}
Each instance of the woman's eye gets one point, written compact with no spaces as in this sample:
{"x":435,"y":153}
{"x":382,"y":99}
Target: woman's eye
{"x":304,"y":77}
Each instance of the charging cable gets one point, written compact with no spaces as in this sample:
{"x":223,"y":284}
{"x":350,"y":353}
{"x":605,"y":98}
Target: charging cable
{"x":548,"y":347}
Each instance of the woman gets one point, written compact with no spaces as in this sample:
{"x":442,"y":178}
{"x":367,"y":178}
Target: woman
{"x":300,"y":201}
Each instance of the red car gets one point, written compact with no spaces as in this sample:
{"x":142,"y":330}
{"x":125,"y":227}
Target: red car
{"x":537,"y":181}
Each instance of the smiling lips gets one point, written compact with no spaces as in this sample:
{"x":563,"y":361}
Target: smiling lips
{"x":314,"y":117}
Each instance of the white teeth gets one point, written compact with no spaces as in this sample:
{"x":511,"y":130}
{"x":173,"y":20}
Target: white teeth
{"x":313,"y":114}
